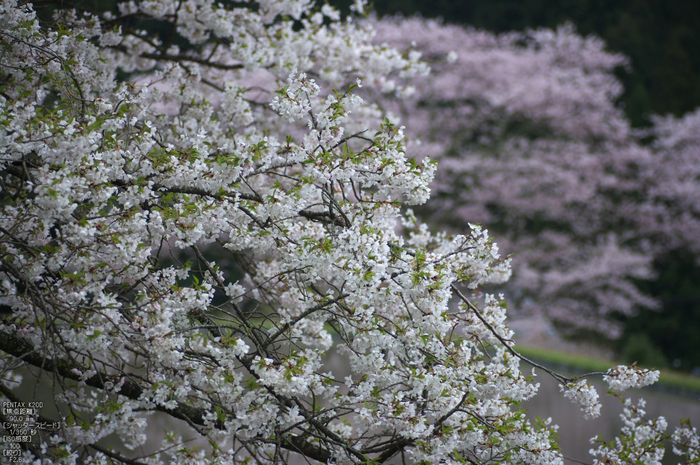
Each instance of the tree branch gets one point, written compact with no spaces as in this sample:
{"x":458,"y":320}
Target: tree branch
{"x":20,"y":348}
{"x":559,"y":377}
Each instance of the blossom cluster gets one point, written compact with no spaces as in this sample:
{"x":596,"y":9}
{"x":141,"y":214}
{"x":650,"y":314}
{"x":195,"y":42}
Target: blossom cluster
{"x":194,"y":241}
{"x":622,"y":378}
{"x":641,"y":441}
{"x":193,"y":225}
{"x":582,"y":393}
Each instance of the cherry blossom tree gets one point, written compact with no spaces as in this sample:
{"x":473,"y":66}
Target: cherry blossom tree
{"x":531,"y":144}
{"x":671,"y":182}
{"x":192,"y":224}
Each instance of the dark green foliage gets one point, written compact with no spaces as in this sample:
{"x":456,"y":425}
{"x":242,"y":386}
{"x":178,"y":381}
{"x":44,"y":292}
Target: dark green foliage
{"x":675,"y":329}
{"x":638,"y":348}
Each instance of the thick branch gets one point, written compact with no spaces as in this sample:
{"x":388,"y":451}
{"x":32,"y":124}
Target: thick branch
{"x":204,"y":193}
{"x":180,"y":58}
{"x":192,"y":59}
{"x":325,"y":217}
{"x":18,"y":347}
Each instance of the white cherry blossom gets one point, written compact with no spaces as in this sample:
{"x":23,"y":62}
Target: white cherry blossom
{"x":206,"y":231}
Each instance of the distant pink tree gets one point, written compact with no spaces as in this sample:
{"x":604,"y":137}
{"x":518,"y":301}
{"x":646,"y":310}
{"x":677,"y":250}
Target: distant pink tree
{"x":672,"y":183}
{"x":530,"y":143}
